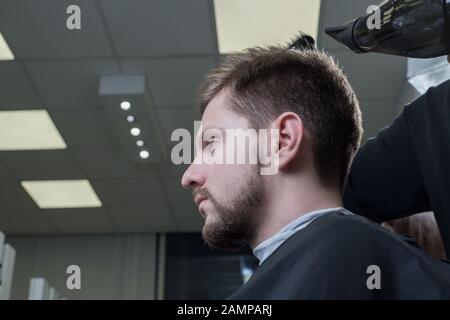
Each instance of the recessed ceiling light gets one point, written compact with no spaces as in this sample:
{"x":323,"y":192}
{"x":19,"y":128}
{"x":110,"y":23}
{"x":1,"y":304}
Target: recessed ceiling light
{"x":135,"y":131}
{"x":243,"y":24}
{"x":125,"y":105}
{"x":130,"y":118}
{"x":144,"y":154}
{"x":5,"y":51}
{"x":140,"y":143}
{"x":29,"y":130}
{"x":52,"y":194}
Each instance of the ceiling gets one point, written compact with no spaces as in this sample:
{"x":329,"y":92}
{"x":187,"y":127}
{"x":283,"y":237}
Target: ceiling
{"x":174,"y":44}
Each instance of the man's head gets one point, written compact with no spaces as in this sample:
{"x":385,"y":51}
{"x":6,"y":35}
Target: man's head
{"x":305,"y":96}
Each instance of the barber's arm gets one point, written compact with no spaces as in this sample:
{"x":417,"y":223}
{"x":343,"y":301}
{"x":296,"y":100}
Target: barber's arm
{"x":405,"y":169}
{"x":385,"y":180}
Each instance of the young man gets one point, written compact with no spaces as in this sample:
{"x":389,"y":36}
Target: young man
{"x":308,"y":246}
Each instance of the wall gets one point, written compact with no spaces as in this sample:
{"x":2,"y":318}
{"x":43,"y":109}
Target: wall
{"x":112,"y":266}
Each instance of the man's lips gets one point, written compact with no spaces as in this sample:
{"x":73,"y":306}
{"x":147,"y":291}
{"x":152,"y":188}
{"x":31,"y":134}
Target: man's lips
{"x":199,"y":199}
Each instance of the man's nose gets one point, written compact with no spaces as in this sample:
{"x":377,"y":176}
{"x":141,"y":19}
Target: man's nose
{"x":193,"y":177}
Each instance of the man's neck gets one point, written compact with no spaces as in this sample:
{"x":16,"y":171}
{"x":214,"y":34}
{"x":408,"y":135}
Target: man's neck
{"x":280,"y":211}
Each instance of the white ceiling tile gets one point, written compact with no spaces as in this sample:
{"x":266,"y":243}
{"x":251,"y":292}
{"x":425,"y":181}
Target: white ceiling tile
{"x":5,"y":52}
{"x":29,"y":130}
{"x":239,"y":23}
{"x":60,"y":194}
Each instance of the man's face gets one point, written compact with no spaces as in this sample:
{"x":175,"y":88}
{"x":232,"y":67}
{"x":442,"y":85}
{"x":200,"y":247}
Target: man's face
{"x":228,"y":195}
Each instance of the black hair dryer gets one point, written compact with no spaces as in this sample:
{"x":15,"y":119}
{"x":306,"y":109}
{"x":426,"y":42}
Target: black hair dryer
{"x":410,"y":28}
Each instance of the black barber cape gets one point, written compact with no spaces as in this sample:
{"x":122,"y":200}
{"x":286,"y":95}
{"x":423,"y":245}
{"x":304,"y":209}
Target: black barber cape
{"x":329,"y":259}
{"x":405,"y":169}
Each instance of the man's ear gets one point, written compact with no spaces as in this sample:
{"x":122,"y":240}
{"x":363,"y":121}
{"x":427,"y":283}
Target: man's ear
{"x":291,"y":129}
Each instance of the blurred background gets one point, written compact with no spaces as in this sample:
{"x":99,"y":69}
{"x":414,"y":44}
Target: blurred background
{"x":86,"y":117}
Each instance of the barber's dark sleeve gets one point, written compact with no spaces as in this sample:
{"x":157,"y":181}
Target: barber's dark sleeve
{"x":405,"y":169}
{"x":385,"y":180}
{"x":401,"y":170}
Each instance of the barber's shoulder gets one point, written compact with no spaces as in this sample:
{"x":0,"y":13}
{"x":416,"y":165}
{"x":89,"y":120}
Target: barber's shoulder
{"x":435,"y":98}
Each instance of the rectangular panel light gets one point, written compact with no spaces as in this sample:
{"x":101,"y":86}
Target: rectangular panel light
{"x":243,"y":24}
{"x":60,"y":194}
{"x":5,"y":51}
{"x":28,"y":130}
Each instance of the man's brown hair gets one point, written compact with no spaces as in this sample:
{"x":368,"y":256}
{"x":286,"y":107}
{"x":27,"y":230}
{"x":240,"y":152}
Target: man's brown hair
{"x":265,"y":82}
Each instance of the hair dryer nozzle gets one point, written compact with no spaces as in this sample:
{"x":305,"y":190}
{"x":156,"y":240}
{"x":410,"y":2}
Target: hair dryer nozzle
{"x":344,"y":35}
{"x":416,"y":29}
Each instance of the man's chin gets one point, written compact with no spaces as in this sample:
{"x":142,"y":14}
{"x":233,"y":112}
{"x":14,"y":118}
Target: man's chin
{"x":211,"y":233}
{"x":217,"y":238}
{"x":208,"y":225}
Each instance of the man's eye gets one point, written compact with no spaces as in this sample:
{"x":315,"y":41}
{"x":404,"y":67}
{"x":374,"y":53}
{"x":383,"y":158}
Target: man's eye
{"x":210,"y":141}
{"x":210,"y":145}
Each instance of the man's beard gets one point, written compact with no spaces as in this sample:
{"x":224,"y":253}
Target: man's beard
{"x":233,"y":225}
